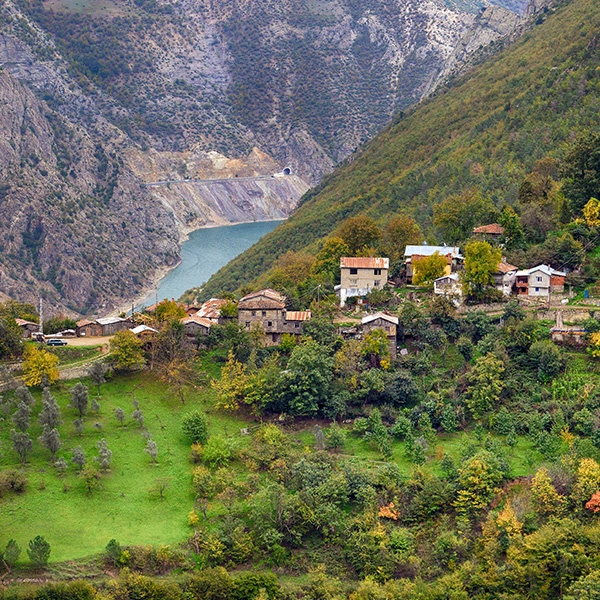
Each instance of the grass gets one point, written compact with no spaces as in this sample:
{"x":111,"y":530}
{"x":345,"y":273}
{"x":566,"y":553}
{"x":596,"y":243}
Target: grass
{"x":77,"y":524}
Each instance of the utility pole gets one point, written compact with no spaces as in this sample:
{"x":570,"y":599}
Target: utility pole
{"x":41,"y":317}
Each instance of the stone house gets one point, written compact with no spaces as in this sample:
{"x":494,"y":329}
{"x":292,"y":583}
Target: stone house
{"x":267,"y":309}
{"x":454,"y":259}
{"x":386,"y":322}
{"x":29,"y":328}
{"x":211,"y":310}
{"x":490,"y":233}
{"x":505,"y":278}
{"x":195,"y":325}
{"x":540,"y":282}
{"x":360,"y":275}
{"x":448,"y":285}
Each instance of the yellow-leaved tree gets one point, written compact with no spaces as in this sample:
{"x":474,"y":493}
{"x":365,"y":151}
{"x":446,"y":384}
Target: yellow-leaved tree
{"x":591,"y":212}
{"x":39,"y":363}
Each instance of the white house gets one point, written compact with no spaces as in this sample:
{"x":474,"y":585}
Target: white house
{"x":505,"y":277}
{"x":540,"y":282}
{"x":448,"y":285}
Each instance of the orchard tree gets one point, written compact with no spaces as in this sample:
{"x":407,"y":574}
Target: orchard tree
{"x":119,"y":415}
{"x":22,"y":394}
{"x":481,"y":262}
{"x":428,"y":268}
{"x":104,"y":455}
{"x":22,"y":417}
{"x":79,"y":457}
{"x":22,"y":444}
{"x":126,"y":351}
{"x":91,"y":478}
{"x":97,"y":372}
{"x":50,"y":414}
{"x":50,"y":439}
{"x":152,"y":450}
{"x":39,"y":365}
{"x":80,"y":399}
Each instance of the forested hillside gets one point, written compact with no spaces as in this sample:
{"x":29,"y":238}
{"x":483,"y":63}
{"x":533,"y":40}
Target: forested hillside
{"x":482,"y":136}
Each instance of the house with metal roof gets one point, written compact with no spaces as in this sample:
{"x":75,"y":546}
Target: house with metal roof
{"x":540,"y":282}
{"x":413,"y":253}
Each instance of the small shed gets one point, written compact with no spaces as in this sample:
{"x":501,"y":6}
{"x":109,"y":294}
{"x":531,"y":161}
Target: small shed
{"x":388,"y":323}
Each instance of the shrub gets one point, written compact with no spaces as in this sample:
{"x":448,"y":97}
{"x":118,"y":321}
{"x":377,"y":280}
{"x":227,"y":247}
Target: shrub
{"x":195,"y":427}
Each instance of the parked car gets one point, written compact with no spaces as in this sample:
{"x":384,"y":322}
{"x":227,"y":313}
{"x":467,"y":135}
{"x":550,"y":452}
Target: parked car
{"x":56,"y":342}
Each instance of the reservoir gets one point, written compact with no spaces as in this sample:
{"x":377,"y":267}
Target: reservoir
{"x":204,"y":253}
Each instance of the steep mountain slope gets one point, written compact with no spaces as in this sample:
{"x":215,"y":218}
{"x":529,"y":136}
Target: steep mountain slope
{"x":485,"y":132}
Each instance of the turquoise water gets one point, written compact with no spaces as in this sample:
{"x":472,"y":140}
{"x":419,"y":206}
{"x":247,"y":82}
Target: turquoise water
{"x":204,"y":253}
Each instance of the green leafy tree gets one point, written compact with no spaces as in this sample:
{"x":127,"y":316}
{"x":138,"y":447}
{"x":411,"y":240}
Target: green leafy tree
{"x":126,"y":351}
{"x":513,"y":236}
{"x":169,"y":310}
{"x":375,"y":348}
{"x":80,"y":399}
{"x":91,"y":478}
{"x":327,"y":261}
{"x":358,"y":233}
{"x":195,"y":427}
{"x":581,"y":171}
{"x":428,"y":268}
{"x":485,"y":384}
{"x":11,"y":338}
{"x":481,"y":262}
{"x":39,"y":551}
{"x":399,"y":232}
{"x":113,"y":551}
{"x":58,"y":323}
{"x":12,"y":553}
{"x":546,"y":358}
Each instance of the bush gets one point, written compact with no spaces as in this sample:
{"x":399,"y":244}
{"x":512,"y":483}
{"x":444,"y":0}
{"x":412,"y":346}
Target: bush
{"x":195,"y":427}
{"x":39,"y":551}
{"x":12,"y":481}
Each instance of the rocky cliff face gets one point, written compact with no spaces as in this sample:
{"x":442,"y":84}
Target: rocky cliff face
{"x":104,"y":98}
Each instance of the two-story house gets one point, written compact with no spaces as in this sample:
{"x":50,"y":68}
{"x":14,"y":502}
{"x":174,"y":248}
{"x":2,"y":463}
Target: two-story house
{"x":505,"y":277}
{"x":360,"y":275}
{"x":540,"y":282}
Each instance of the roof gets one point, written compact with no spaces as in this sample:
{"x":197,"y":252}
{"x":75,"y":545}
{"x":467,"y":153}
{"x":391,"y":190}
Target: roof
{"x":198,"y":321}
{"x":142,"y":328}
{"x":263,"y":299}
{"x":23,"y":322}
{"x":298,"y":315}
{"x":211,"y":309}
{"x":366,"y":262}
{"x":543,"y":268}
{"x":491,"y":229}
{"x":84,"y":322}
{"x":425,"y":250}
{"x":452,"y":276}
{"x":110,"y":320}
{"x":379,"y":315}
{"x":505,"y":267}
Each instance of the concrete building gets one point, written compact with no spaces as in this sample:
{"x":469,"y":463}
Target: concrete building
{"x":448,"y":285}
{"x":540,"y":282}
{"x":361,"y":275}
{"x":505,"y":278}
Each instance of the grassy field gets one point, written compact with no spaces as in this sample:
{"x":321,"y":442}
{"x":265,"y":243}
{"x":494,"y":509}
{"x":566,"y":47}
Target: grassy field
{"x":77,"y":524}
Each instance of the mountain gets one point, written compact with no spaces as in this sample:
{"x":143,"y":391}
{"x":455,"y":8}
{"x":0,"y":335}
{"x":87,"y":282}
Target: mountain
{"x":486,"y":131}
{"x":118,"y":112}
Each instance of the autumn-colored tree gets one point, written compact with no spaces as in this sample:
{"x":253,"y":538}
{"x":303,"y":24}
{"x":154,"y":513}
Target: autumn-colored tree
{"x":481,"y":262}
{"x":375,"y":347}
{"x":588,"y":481}
{"x":358,"y":233}
{"x":399,"y":231}
{"x":327,"y":262}
{"x":593,"y":503}
{"x":591,"y":212}
{"x":126,"y":350}
{"x":231,"y":388}
{"x":290,"y":269}
{"x":545,"y":500}
{"x":38,"y":365}
{"x":594,"y":345}
{"x":428,"y":268}
{"x":508,"y":523}
{"x":169,"y":310}
{"x":485,"y":384}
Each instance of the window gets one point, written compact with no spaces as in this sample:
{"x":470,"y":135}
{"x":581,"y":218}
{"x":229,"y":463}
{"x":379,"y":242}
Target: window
{"x":353,"y":271}
{"x":269,"y":323}
{"x":537,"y":289}
{"x":296,"y":325}
{"x":376,"y":271}
{"x":253,"y":313}
{"x":538,"y":278}
{"x":376,"y":283}
{"x":264,"y":313}
{"x":353,"y":281}
{"x":247,"y":324}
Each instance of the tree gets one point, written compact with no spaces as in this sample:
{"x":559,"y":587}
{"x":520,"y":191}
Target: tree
{"x":591,"y":212}
{"x":456,"y":216}
{"x":97,"y":372}
{"x":159,"y":487}
{"x":177,"y":374}
{"x":79,"y":457}
{"x":195,"y":427}
{"x":428,"y":268}
{"x":327,"y":262}
{"x":79,"y":425}
{"x":61,"y":466}
{"x":546,"y":359}
{"x":126,"y":351}
{"x":22,"y":417}
{"x":50,"y":439}
{"x":513,"y":236}
{"x":358,"y":233}
{"x":481,"y":262}
{"x":169,"y":310}
{"x":50,"y":414}
{"x":39,"y":551}
{"x":485,"y":379}
{"x":138,"y":416}
{"x":152,"y":450}
{"x":58,"y":323}
{"x":546,"y":501}
{"x":39,"y":364}
{"x":11,"y":338}
{"x":376,"y":348}
{"x":12,"y":553}
{"x":588,"y":481}
{"x":104,"y":455}
{"x":80,"y":399}
{"x":113,"y":551}
{"x":91,"y":478}
{"x":22,"y":444}
{"x":120,"y":415}
{"x":399,"y":232}
{"x":581,"y":171}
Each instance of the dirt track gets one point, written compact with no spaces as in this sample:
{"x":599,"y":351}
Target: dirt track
{"x":88,"y":341}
